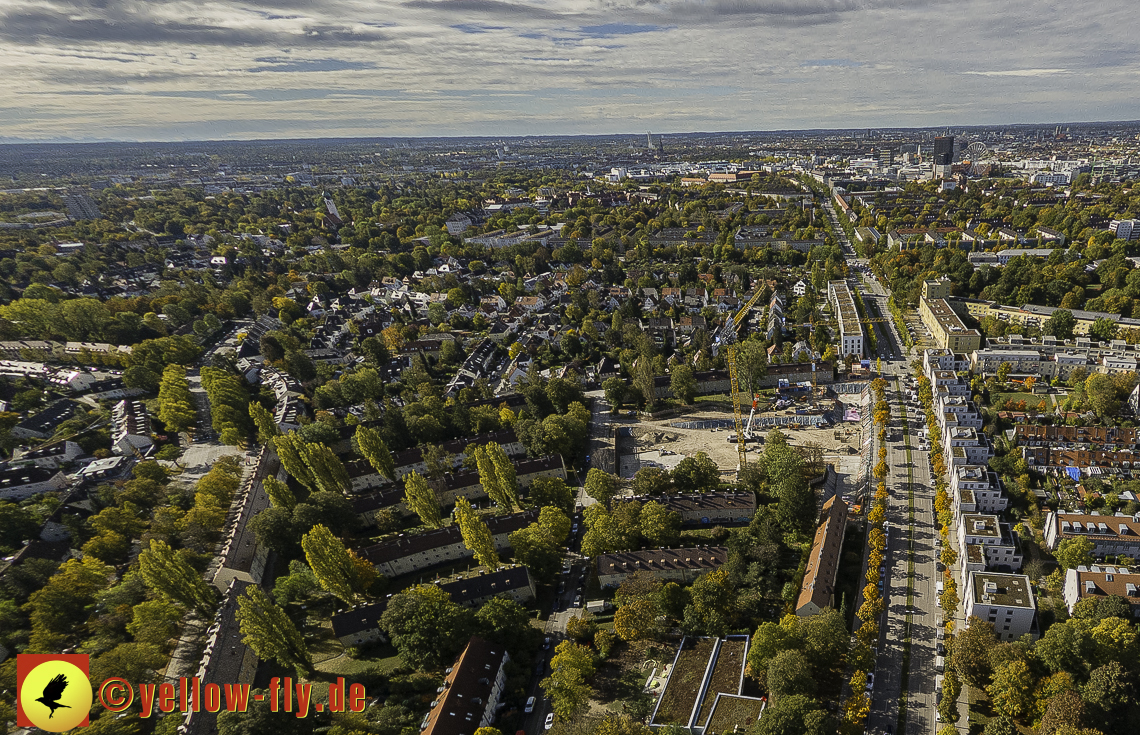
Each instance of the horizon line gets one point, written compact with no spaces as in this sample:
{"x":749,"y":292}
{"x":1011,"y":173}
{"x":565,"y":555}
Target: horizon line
{"x":774,"y":131}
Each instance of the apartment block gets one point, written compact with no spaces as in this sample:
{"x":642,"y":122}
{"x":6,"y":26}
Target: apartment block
{"x":847,"y":316}
{"x":1005,"y":601}
{"x":1101,"y":582}
{"x":946,"y":327}
{"x":1116,"y":534}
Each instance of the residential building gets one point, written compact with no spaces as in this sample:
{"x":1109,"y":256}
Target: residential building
{"x":704,"y":509}
{"x":360,"y":625}
{"x":1100,"y":582}
{"x":20,"y":483}
{"x":471,"y":691}
{"x":678,"y":565}
{"x":1125,"y":229}
{"x":130,"y":428}
{"x":946,"y":327}
{"x":51,"y":456}
{"x":1004,"y":600}
{"x":43,"y":424}
{"x":1110,"y":535}
{"x":472,"y":590}
{"x":407,"y":554}
{"x":976,"y":489}
{"x":999,"y":545}
{"x":818,"y":589}
{"x":847,"y":316}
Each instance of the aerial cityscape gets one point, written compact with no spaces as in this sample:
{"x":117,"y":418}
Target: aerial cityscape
{"x":496,"y":367}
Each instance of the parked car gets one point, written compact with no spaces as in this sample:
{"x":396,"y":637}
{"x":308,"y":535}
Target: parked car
{"x":545,"y":644}
{"x":549,"y":721}
{"x":529,"y":706}
{"x":870,"y":681}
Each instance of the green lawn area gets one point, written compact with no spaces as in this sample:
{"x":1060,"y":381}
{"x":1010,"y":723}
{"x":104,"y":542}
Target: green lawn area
{"x":997,"y":399}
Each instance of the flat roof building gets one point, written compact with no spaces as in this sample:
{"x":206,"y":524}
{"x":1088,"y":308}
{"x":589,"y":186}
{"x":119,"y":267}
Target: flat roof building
{"x":947,"y":328}
{"x":1003,"y":600}
{"x":847,"y":316}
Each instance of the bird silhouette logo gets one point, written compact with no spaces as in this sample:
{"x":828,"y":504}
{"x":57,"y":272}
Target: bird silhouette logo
{"x":53,"y":691}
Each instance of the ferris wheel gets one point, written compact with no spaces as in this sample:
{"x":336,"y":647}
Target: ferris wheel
{"x":975,"y":150}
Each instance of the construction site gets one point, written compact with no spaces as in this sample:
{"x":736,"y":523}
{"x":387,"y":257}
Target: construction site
{"x":831,"y":421}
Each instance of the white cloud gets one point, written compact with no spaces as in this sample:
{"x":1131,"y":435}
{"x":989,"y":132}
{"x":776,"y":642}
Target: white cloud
{"x":269,"y":68}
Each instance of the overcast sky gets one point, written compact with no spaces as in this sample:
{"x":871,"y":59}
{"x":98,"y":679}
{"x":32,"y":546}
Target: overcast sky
{"x":178,"y":70}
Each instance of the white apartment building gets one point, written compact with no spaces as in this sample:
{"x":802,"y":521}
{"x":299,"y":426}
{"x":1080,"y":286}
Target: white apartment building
{"x":983,"y":539}
{"x":1125,"y":229}
{"x":1004,"y":600}
{"x":976,"y":489}
{"x":847,"y":316}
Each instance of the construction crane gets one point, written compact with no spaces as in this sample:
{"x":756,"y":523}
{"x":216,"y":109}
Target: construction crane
{"x":729,"y":339}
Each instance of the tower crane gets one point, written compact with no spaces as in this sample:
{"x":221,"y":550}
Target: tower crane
{"x":729,"y":339}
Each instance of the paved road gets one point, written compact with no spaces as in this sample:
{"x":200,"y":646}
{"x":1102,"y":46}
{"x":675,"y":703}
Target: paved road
{"x":911,"y":488}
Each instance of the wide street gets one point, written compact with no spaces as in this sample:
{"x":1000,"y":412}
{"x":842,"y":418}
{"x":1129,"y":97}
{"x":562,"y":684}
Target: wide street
{"x":908,"y":641}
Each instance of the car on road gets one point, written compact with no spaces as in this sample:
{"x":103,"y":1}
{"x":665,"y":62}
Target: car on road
{"x":549,"y":721}
{"x":529,"y":706}
{"x":577,"y":601}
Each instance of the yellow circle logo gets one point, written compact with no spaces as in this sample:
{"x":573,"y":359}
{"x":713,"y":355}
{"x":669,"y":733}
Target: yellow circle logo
{"x":56,"y":696}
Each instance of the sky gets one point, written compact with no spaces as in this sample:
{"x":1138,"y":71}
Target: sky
{"x":203,"y":70}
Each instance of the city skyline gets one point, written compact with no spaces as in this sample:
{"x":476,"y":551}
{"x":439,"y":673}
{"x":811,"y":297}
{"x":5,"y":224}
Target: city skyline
{"x":108,"y":70}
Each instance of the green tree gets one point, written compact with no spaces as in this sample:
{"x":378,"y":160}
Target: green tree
{"x":426,"y":627}
{"x":154,"y":622}
{"x":280,"y":496}
{"x":508,"y":484}
{"x":652,"y":481}
{"x":170,"y":575}
{"x":1104,"y":329}
{"x":1012,"y":688}
{"x":1100,"y":391}
{"x":58,"y":609}
{"x":476,"y":536}
{"x":660,"y":526}
{"x":270,"y":633}
{"x":568,"y":686}
{"x":971,"y":654}
{"x":794,"y":714}
{"x":683,"y":384}
{"x":553,"y":492}
{"x":504,"y":621}
{"x":1061,"y":324}
{"x":615,"y":390}
{"x":712,"y":606}
{"x":1003,"y":371}
{"x":421,"y":499}
{"x":267,"y":427}
{"x":789,"y":673}
{"x":370,"y":444}
{"x":1074,"y":552}
{"x":290,"y":450}
{"x":534,"y":547}
{"x":175,"y":404}
{"x":338,"y":570}
{"x":16,"y":525}
{"x":555,"y":523}
{"x":600,"y":485}
{"x":696,"y":474}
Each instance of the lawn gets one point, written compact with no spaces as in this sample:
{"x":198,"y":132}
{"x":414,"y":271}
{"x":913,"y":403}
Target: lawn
{"x":684,"y":682}
{"x":725,"y":676}
{"x":732,"y":711}
{"x":1031,"y":399}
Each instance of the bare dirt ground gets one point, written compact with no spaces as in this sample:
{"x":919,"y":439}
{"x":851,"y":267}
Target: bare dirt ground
{"x":658,"y":444}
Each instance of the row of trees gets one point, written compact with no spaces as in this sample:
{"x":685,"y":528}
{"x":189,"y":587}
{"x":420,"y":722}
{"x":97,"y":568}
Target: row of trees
{"x":229,"y":404}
